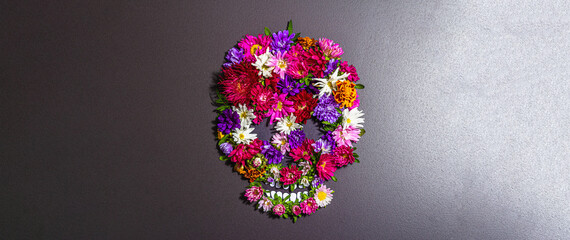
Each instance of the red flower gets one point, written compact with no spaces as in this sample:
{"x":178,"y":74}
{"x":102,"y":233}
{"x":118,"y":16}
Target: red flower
{"x":326,"y":166}
{"x":262,"y":97}
{"x":290,"y":175}
{"x":353,"y":77}
{"x":304,"y":104}
{"x":316,"y":62}
{"x":343,"y":156}
{"x":237,"y":82}
{"x":242,"y":152}
{"x":304,"y":151}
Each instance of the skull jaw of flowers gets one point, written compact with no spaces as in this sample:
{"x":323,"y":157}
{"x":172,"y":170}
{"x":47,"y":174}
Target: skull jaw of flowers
{"x":287,"y":81}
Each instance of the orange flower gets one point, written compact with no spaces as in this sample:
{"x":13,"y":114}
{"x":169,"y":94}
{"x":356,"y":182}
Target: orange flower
{"x":239,"y":168}
{"x":345,"y":93}
{"x":253,"y":174}
{"x":220,"y":135}
{"x":306,"y":42}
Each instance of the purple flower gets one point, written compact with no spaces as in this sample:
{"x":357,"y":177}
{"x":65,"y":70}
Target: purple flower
{"x":273,"y":155}
{"x":282,"y":41}
{"x":328,"y":137}
{"x":228,"y":121}
{"x":226,"y":148}
{"x":331,"y":66}
{"x":296,"y":138}
{"x":322,"y":145}
{"x":326,"y":109}
{"x":288,"y":86}
{"x":234,"y":56}
{"x":317,"y":181}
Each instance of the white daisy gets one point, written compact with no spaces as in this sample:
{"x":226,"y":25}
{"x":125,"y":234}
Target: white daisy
{"x":287,"y":124}
{"x":352,"y":118}
{"x":262,"y":62}
{"x":327,"y":85}
{"x":245,"y":115}
{"x":323,"y":196}
{"x":244,"y":135}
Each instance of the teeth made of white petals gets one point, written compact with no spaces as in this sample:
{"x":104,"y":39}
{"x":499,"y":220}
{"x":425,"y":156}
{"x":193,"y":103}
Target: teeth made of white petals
{"x":294,"y":186}
{"x":277,"y":185}
{"x":280,"y":195}
{"x":293,"y":197}
{"x":272,"y":184}
{"x":268,"y":194}
{"x":285,"y":195}
{"x":272,"y":194}
{"x":306,"y":193}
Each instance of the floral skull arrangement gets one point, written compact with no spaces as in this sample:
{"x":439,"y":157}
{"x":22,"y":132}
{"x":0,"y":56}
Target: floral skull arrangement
{"x":288,"y":79}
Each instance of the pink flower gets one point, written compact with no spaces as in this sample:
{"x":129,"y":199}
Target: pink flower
{"x":279,"y":62}
{"x":290,"y":175}
{"x":326,"y":166}
{"x":281,"y":107}
{"x":253,"y":46}
{"x":296,"y":210}
{"x":330,"y":49}
{"x":344,"y":67}
{"x":242,"y":152}
{"x":265,"y":204}
{"x":345,"y":137}
{"x":254,"y":194}
{"x":280,"y":139}
{"x":304,"y":151}
{"x":309,"y":206}
{"x":279,"y":209}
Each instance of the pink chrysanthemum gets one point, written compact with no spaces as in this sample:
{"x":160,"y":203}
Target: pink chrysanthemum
{"x":343,"y":156}
{"x":304,"y":151}
{"x":330,"y":49}
{"x":279,"y":209}
{"x":280,"y":140}
{"x":262,"y":97}
{"x":253,"y":194}
{"x":242,"y":152}
{"x":281,"y":107}
{"x":237,"y":82}
{"x":265,"y":204}
{"x":279,"y":62}
{"x":345,"y":137}
{"x":326,"y":166}
{"x":289,"y":175}
{"x":253,"y":46}
{"x":309,"y":206}
{"x":296,"y":210}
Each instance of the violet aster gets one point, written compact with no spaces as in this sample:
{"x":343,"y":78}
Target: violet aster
{"x":296,"y":138}
{"x":289,"y":86}
{"x":326,"y":109}
{"x":273,"y":155}
{"x":228,"y":121}
{"x":234,"y":56}
{"x":322,"y":146}
{"x":226,"y":148}
{"x":331,"y":66}
{"x":282,"y":41}
{"x":328,"y":137}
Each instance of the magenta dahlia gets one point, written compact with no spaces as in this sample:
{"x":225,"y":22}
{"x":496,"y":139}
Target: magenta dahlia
{"x":326,"y":166}
{"x":280,"y":108}
{"x":343,"y":156}
{"x":290,"y":175}
{"x":309,"y":206}
{"x":253,"y":46}
{"x":279,"y":209}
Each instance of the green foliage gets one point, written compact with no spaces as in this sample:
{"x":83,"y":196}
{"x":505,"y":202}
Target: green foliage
{"x":359,"y":86}
{"x":290,"y":26}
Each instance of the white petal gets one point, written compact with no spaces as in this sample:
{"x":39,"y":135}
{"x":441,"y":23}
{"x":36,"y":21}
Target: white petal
{"x":272,"y":184}
{"x":280,"y":195}
{"x":293,"y":197}
{"x":285,"y":195}
{"x":272,"y":194}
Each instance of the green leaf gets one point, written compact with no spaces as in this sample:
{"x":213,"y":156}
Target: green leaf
{"x":362,"y":132}
{"x":267,"y":31}
{"x":338,"y":110}
{"x":327,"y":123}
{"x":291,"y":187}
{"x":359,"y":86}
{"x":296,"y":36}
{"x":334,"y":178}
{"x":222,"y":108}
{"x":294,"y":219}
{"x":290,"y":26}
{"x":224,"y":158}
{"x":356,"y":160}
{"x":285,"y":215}
{"x":355,"y":155}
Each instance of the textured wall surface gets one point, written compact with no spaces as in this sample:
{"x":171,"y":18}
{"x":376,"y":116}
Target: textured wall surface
{"x":106,"y":122}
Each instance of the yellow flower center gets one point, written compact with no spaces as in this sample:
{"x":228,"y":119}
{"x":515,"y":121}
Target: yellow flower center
{"x":241,"y":136}
{"x":279,"y":105}
{"x":348,"y":120}
{"x":254,"y":48}
{"x":283,"y":142}
{"x":243,"y":115}
{"x":282,"y":64}
{"x":321,"y":196}
{"x":289,"y":124}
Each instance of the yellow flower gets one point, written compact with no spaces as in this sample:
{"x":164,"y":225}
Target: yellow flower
{"x":220,"y":135}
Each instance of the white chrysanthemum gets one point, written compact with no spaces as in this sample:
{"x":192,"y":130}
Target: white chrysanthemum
{"x":323,"y":196}
{"x":352,"y":118}
{"x":305,"y":182}
{"x":245,"y":115}
{"x":287,"y":124}
{"x":327,"y":85}
{"x":261,"y":63}
{"x":244,"y":135}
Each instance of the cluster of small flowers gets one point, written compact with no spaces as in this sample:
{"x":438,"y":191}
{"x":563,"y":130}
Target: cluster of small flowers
{"x":288,"y":79}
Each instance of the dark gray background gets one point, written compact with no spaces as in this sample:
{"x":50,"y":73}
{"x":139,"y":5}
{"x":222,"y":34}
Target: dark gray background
{"x":106,"y":122}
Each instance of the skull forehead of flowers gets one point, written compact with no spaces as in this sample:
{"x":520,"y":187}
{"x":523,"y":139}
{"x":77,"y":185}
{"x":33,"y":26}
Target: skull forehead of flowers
{"x":288,"y":79}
